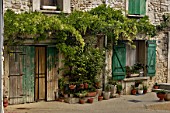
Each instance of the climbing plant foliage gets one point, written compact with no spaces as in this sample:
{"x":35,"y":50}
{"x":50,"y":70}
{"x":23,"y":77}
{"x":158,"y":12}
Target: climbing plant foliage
{"x":71,"y":29}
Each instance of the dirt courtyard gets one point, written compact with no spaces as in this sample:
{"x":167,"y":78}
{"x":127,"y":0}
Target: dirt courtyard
{"x":165,"y":106}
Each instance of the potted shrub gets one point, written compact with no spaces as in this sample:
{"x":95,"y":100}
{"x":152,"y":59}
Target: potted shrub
{"x":133,"y":90}
{"x":106,"y":93}
{"x":161,"y":94}
{"x":113,"y":86}
{"x":119,"y":88}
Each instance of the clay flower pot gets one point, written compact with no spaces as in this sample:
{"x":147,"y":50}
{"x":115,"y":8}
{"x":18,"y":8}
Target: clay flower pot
{"x":72,"y":86}
{"x":145,"y":91}
{"x":91,"y":94}
{"x":82,"y":101}
{"x":90,"y":100}
{"x":81,"y":86}
{"x":85,"y":85}
{"x":133,"y":91}
{"x":160,"y":96}
{"x":156,"y":87}
{"x":5,"y":102}
{"x":100,"y":98}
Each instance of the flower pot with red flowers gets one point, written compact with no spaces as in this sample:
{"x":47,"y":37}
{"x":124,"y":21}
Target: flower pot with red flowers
{"x":161,"y":94}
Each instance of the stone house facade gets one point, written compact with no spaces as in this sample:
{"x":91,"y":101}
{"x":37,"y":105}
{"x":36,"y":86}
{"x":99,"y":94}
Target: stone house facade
{"x":154,"y":9}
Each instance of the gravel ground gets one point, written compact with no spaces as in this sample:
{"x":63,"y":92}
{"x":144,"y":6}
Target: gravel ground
{"x":165,"y":106}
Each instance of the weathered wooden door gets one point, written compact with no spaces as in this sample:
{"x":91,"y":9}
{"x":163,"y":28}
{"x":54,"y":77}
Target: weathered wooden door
{"x":40,"y":73}
{"x":21,"y":74}
{"x":119,"y":61}
{"x":52,"y":67}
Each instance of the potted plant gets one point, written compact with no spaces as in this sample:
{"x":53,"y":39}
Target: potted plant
{"x":106,"y":93}
{"x":156,"y":86}
{"x":113,"y":86}
{"x":161,"y":94}
{"x":140,"y":90}
{"x":145,"y":89}
{"x":119,"y":88}
{"x":90,"y":100}
{"x":133,"y":90}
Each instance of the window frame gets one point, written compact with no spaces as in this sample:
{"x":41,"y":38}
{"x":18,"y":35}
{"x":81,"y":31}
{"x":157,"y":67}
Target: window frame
{"x":65,"y":6}
{"x":134,"y":15}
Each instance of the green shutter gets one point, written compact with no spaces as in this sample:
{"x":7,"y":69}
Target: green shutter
{"x":131,"y":7}
{"x":119,"y":62}
{"x":137,"y":7}
{"x":151,"y":58}
{"x":142,"y":7}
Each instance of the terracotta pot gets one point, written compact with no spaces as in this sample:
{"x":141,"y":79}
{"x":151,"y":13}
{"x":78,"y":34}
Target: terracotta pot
{"x":5,"y":102}
{"x":160,"y":96}
{"x":145,"y":91}
{"x":81,"y":86}
{"x":133,"y":91}
{"x":90,"y":100}
{"x":91,"y":94}
{"x":156,"y":87}
{"x":85,"y":85}
{"x":72,"y":86}
{"x":81,"y":101}
{"x":100,"y":98}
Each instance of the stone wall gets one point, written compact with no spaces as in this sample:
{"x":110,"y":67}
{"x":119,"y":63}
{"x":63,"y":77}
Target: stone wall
{"x":18,"y":5}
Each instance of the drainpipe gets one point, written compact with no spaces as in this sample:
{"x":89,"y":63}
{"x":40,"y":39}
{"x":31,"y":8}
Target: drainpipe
{"x":1,"y":57}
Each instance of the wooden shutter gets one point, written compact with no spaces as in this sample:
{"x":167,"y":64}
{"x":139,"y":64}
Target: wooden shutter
{"x":137,"y":7}
{"x":52,"y":66}
{"x":151,"y":58}
{"x":119,"y":62}
{"x":131,"y":7}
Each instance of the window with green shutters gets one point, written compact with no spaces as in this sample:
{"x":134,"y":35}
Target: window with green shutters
{"x":124,"y":55}
{"x":137,"y":7}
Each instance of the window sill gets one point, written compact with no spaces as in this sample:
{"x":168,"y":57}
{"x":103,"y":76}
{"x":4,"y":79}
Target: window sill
{"x":136,"y":16}
{"x":135,"y":79}
{"x":51,"y":11}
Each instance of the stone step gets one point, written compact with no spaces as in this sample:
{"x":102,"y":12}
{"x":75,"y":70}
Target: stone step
{"x":165,"y":86}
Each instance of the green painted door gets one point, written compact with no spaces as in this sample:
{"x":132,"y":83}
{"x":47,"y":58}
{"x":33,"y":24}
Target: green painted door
{"x":151,"y":58}
{"x":52,"y":67}
{"x":28,"y":68}
{"x":119,"y":62}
